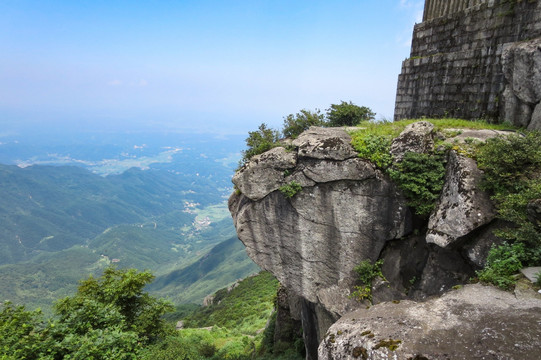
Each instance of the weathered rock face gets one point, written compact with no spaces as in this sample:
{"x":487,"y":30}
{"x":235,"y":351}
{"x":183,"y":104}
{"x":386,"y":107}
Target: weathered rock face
{"x":521,"y":63}
{"x":463,"y":206}
{"x":287,"y":327}
{"x":346,"y":212}
{"x":417,"y":137}
{"x":265,"y":173}
{"x":475,"y":322}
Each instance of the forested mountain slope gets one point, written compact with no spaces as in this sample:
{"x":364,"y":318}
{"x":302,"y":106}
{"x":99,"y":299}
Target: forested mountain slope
{"x":59,"y":224}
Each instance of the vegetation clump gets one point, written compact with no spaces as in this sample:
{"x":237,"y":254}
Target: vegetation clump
{"x":421,"y":177}
{"x":360,"y":351}
{"x":390,"y":344}
{"x":260,"y":141}
{"x":265,"y":138}
{"x":348,"y":114}
{"x":502,"y":263}
{"x":294,"y":125}
{"x":512,"y":174}
{"x":291,"y":189}
{"x":367,"y":273}
{"x":109,"y":317}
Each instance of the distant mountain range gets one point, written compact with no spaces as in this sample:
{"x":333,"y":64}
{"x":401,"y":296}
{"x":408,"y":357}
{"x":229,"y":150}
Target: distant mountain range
{"x":59,"y":224}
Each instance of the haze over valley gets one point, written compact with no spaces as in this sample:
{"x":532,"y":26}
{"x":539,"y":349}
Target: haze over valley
{"x":74,"y":205}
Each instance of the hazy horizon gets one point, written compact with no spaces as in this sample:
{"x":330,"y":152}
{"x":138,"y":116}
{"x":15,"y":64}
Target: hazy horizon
{"x":195,"y":66}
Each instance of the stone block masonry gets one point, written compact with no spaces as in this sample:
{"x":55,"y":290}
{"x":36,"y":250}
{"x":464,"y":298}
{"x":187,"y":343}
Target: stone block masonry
{"x":474,"y":59}
{"x":437,"y":8}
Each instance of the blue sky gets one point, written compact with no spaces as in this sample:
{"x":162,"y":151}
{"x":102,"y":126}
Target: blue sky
{"x":220,"y":66}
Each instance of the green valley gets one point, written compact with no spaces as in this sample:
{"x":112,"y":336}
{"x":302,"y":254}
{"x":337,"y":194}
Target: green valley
{"x":59,"y":224}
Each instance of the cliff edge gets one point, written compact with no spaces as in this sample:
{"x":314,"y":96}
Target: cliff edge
{"x":310,"y":211}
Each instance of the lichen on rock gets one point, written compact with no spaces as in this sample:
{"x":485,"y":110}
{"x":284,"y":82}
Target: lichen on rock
{"x":474,"y":322}
{"x":463,"y":206}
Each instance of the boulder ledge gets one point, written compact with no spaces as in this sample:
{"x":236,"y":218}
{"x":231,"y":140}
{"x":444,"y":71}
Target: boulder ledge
{"x":474,"y":322}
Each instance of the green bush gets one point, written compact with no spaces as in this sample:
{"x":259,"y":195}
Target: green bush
{"x":375,"y":148}
{"x":259,"y":141}
{"x":348,"y":114}
{"x":172,"y":348}
{"x":512,"y":174}
{"x":291,"y":189}
{"x":110,"y":317}
{"x":502,"y":262}
{"x":115,"y":298}
{"x":20,"y":333}
{"x":421,"y":177}
{"x":294,"y":125}
{"x":367,"y":272}
{"x":511,"y":163}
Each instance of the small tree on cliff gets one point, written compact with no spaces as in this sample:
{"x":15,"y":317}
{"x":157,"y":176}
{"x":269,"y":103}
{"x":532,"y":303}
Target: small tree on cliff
{"x":259,"y":141}
{"x":348,"y":114}
{"x":294,"y":125}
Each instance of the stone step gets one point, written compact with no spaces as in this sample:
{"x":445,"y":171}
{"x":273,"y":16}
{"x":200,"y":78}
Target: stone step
{"x":531,"y":273}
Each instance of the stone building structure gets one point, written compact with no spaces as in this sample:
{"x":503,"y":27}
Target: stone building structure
{"x":474,"y":59}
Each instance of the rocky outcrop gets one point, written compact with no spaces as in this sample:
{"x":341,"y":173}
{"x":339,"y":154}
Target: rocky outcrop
{"x":474,"y":322}
{"x":288,"y":327}
{"x":265,"y":173}
{"x":346,"y":212}
{"x":463,"y":206}
{"x":521,"y":63}
{"x":312,"y":241}
{"x":311,"y":213}
{"x":417,"y":137}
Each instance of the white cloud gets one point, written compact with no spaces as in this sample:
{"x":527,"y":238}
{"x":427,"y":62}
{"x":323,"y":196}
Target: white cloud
{"x":140,"y":83}
{"x":114,"y":83}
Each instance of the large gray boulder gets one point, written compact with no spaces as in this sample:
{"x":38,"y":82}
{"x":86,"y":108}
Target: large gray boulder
{"x":463,"y":206}
{"x":312,"y":242}
{"x":475,"y":322}
{"x":417,"y":137}
{"x":521,"y":64}
{"x":325,"y":143}
{"x":344,"y":213}
{"x":264,"y":173}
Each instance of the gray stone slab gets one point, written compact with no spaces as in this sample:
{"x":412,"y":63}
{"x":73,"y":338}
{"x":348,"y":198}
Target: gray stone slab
{"x":531,"y":272}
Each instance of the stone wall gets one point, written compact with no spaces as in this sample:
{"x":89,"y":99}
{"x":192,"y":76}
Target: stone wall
{"x":461,"y":64}
{"x":437,"y":8}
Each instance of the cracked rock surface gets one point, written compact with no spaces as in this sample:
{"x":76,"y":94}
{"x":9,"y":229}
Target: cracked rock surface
{"x":474,"y":322}
{"x":345,"y":213}
{"x":462,"y":206}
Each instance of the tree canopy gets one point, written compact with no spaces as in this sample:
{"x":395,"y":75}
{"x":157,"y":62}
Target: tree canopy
{"x":294,"y":125}
{"x":109,"y":317}
{"x":265,"y":138}
{"x":259,"y":141}
{"x":348,"y":114}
